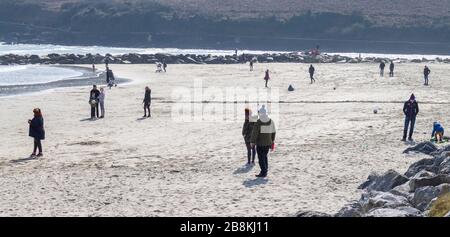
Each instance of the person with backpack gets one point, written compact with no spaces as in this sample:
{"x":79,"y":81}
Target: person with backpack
{"x":36,"y":131}
{"x":247,"y":129}
{"x":263,"y":137}
{"x":410,"y":109}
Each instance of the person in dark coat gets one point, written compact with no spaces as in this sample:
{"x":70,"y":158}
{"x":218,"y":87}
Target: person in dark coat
{"x":147,"y":101}
{"x":37,"y":131}
{"x":267,"y":77}
{"x":94,"y":101}
{"x":391,"y":69}
{"x":251,"y":65}
{"x":311,"y":73}
{"x":247,"y":129}
{"x":426,"y":73}
{"x":410,"y":109}
{"x":164,"y":66}
{"x":382,"y":66}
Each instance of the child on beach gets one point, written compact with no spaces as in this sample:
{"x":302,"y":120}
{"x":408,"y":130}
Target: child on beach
{"x":438,"y":132}
{"x":37,"y":131}
{"x":247,"y":129}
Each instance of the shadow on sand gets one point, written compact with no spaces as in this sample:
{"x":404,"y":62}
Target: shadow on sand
{"x":255,"y":182}
{"x":87,"y":119}
{"x":142,"y":118}
{"x":244,"y":169}
{"x":23,"y":160}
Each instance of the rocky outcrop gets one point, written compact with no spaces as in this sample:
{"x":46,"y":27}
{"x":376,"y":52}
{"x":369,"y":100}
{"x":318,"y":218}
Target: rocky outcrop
{"x":133,"y":58}
{"x":410,"y":195}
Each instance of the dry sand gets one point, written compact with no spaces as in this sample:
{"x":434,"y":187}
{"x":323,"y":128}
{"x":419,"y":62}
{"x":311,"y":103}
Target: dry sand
{"x":124,"y":166}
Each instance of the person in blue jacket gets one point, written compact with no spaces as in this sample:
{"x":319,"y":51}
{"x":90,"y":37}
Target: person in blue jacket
{"x":37,"y":131}
{"x":438,"y":132}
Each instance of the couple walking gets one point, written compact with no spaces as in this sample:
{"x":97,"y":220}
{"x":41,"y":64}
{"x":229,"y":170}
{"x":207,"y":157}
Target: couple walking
{"x":259,"y":136}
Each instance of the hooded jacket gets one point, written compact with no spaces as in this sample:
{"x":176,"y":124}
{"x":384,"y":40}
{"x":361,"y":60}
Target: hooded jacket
{"x":264,"y":131}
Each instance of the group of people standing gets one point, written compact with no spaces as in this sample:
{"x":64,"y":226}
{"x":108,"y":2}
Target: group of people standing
{"x":259,"y":136}
{"x":97,"y":100}
{"x":391,"y":69}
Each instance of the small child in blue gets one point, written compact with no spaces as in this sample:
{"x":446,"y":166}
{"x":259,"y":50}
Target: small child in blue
{"x":438,"y":132}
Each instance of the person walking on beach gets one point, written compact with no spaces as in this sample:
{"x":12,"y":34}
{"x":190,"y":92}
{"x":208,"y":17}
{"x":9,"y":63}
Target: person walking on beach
{"x":410,"y":109}
{"x":311,"y":74}
{"x":426,"y":73}
{"x":101,"y":101}
{"x":391,"y":69}
{"x":147,"y":101}
{"x":93,"y":68}
{"x":110,"y":78}
{"x":93,"y":101}
{"x":267,"y":77}
{"x":247,"y":129}
{"x":106,"y":63}
{"x":37,"y":131}
{"x":164,"y":66}
{"x":251,"y":65}
{"x":382,"y":66}
{"x":263,"y":137}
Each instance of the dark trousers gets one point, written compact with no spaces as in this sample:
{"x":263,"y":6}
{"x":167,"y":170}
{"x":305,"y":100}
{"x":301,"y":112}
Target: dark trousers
{"x":426,"y":79}
{"x":94,"y":111}
{"x":311,"y":76}
{"x":146,"y":107}
{"x":37,"y":145}
{"x":251,"y":152}
{"x":391,"y":73}
{"x":266,"y":82}
{"x":409,"y":122}
{"x":262,"y":158}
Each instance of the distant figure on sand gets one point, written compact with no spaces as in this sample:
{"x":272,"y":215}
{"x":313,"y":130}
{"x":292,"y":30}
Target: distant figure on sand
{"x":93,"y":68}
{"x":267,"y":77}
{"x":106,"y":62}
{"x":101,"y":101}
{"x":251,"y":65}
{"x":110,"y":78}
{"x":263,"y":136}
{"x":93,"y":101}
{"x":410,"y":109}
{"x":147,"y":101}
{"x":311,"y":73}
{"x":426,"y":73}
{"x":247,"y":129}
{"x":438,"y":132}
{"x":164,"y":66}
{"x":158,"y":67}
{"x":37,"y":131}
{"x":391,"y":69}
{"x":382,"y":66}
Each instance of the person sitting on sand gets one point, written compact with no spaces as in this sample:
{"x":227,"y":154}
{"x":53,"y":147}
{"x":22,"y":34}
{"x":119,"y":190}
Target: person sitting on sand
{"x":391,"y":69}
{"x":37,"y":131}
{"x":101,"y":101}
{"x":382,"y":66}
{"x":263,"y":137}
{"x":410,"y":109}
{"x":247,"y":129}
{"x":93,"y":101}
{"x":426,"y":73}
{"x":267,"y":77}
{"x":438,"y":132}
{"x":311,"y":73}
{"x":147,"y":101}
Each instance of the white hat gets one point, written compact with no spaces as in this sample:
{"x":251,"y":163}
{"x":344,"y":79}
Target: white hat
{"x":262,"y":111}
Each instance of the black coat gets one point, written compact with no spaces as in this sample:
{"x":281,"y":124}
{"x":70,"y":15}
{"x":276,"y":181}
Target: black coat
{"x":311,"y":70}
{"x":247,"y":130}
{"x":411,"y":109}
{"x":37,"y":128}
{"x":382,"y":65}
{"x":148,"y":97}
{"x":391,"y":67}
{"x":96,"y":94}
{"x":426,"y":71}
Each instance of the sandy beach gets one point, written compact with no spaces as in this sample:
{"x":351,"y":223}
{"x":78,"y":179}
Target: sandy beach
{"x":328,"y":142}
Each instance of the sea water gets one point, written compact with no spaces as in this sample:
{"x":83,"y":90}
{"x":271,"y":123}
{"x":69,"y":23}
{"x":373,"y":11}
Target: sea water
{"x":34,"y":74}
